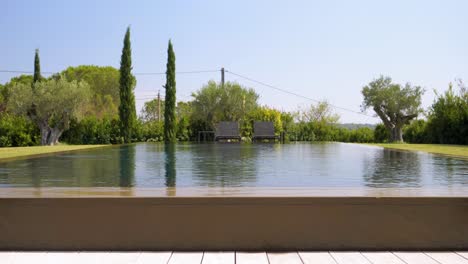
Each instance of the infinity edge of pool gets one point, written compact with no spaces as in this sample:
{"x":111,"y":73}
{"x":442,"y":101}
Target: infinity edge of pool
{"x":110,"y":192}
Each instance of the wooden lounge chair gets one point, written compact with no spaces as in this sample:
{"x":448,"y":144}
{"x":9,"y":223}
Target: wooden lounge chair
{"x":227,"y":130}
{"x":264,"y":130}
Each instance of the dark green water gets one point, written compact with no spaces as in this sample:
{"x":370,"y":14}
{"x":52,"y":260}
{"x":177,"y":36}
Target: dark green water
{"x":237,"y":165}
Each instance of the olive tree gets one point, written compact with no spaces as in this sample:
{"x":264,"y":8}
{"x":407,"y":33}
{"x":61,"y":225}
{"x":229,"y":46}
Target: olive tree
{"x":395,"y":104}
{"x":56,"y":102}
{"x":215,"y":102}
{"x":322,"y":112}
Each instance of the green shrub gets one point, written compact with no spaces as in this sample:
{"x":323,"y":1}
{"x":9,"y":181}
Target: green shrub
{"x":92,"y":131}
{"x":153,"y":131}
{"x":362,"y":135}
{"x":448,"y":118}
{"x":381,"y":134}
{"x":416,"y":132}
{"x":17,"y":131}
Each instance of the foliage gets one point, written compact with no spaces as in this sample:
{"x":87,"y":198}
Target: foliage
{"x":91,"y":130}
{"x":318,"y":122}
{"x":302,"y":131}
{"x":287,"y":123}
{"x":150,"y":110}
{"x":104,"y":85}
{"x":261,"y":113}
{"x":3,"y":98}
{"x":22,"y":79}
{"x":5,"y":90}
{"x":214,"y":103}
{"x":416,"y":132}
{"x":381,"y":134}
{"x":170,"y":99}
{"x":17,"y":131}
{"x":56,"y":102}
{"x":57,"y":105}
{"x":322,"y":112}
{"x":37,"y":68}
{"x":395,"y":104}
{"x":127,"y":111}
{"x":362,"y":135}
{"x":153,"y":131}
{"x":448,"y":117}
{"x":183,"y":128}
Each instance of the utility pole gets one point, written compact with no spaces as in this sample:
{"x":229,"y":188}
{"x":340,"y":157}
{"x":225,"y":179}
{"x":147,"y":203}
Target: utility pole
{"x":222,"y":77}
{"x":159,"y":106}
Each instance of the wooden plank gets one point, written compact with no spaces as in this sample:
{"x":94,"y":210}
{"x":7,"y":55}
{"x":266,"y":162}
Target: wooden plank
{"x":219,"y":258}
{"x":29,"y":257}
{"x":415,"y":258}
{"x":349,"y":258}
{"x":251,"y":258}
{"x":463,"y":254}
{"x":316,"y":258}
{"x":284,"y":258}
{"x":92,"y":257}
{"x":382,"y":258}
{"x":154,"y":257}
{"x":447,"y":257}
{"x":63,"y":257}
{"x":6,"y":257}
{"x":186,"y":258}
{"x":121,"y":258}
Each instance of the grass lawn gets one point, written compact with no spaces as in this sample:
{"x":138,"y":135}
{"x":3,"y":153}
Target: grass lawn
{"x":16,"y":152}
{"x":453,"y":150}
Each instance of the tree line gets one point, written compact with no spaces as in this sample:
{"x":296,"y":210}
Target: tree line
{"x":96,"y":105}
{"x":39,"y":110}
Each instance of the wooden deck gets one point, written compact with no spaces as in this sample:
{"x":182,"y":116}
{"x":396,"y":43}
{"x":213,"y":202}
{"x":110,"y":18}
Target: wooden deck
{"x":334,"y":257}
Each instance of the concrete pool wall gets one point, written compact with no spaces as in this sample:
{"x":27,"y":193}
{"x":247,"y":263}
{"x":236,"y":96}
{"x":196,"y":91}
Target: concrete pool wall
{"x":240,"y":223}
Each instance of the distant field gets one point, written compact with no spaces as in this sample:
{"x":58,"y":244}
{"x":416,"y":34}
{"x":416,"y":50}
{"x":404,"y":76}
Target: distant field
{"x":454,"y":150}
{"x":8,"y":153}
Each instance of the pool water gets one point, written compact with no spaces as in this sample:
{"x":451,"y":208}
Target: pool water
{"x":314,"y":165}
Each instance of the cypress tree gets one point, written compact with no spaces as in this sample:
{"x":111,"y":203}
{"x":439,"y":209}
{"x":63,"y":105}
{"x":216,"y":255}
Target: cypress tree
{"x":170,"y":98}
{"x":37,"y":67}
{"x":127,"y":111}
{"x":36,"y":78}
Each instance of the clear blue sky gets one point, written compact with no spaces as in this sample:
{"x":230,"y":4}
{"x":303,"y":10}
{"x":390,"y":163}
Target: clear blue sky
{"x":323,"y":50}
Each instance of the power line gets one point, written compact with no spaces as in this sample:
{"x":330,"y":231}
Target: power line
{"x":136,"y":73}
{"x":296,"y":94}
{"x":181,"y":72}
{"x":212,"y":71}
{"x":181,"y":96}
{"x":26,"y":72}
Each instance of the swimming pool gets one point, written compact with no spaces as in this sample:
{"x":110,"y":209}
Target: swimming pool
{"x":295,"y":165}
{"x":309,"y":196}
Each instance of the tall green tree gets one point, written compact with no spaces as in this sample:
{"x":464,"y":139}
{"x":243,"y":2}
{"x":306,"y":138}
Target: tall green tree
{"x":36,"y":79}
{"x":395,"y":104}
{"x":170,"y":98}
{"x":127,"y":111}
{"x":37,"y":67}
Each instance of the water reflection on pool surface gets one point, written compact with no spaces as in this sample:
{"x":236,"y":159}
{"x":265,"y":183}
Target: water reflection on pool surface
{"x":235,"y":168}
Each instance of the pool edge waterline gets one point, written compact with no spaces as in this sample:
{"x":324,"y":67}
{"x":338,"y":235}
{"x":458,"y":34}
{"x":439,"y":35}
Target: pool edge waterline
{"x":127,"y":192}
